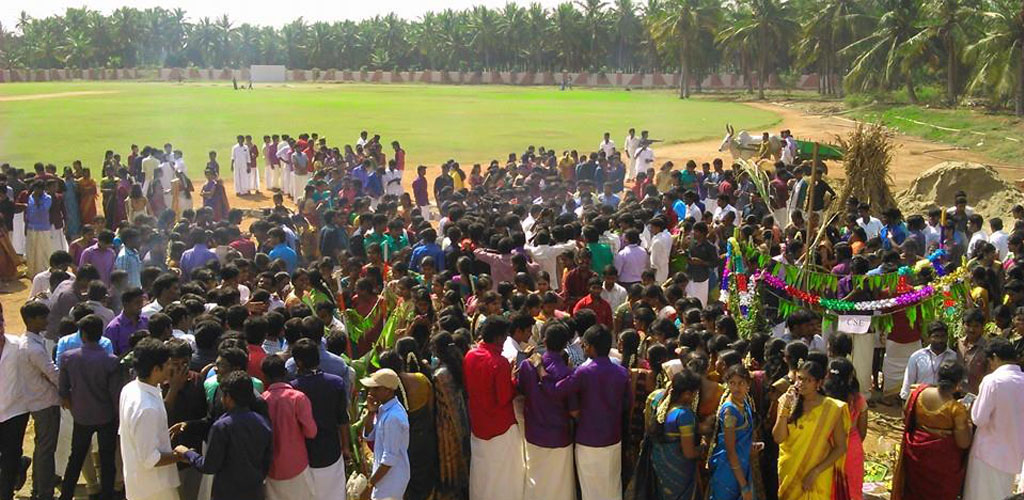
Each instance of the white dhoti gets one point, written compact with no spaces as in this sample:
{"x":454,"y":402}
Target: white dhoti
{"x":329,"y":483}
{"x":273,"y":177}
{"x":169,"y":494}
{"x":894,"y":366}
{"x":600,"y":471}
{"x":549,"y":473}
{"x":497,"y":469}
{"x":698,"y":289}
{"x":254,"y":178}
{"x":240,"y":176}
{"x":299,"y":185}
{"x":425,"y":212}
{"x":58,"y":241}
{"x":38,"y":247}
{"x":286,"y":181}
{"x":297,"y":488}
{"x":18,"y":234}
{"x":863,"y":357}
{"x":630,"y":169}
{"x":984,"y":482}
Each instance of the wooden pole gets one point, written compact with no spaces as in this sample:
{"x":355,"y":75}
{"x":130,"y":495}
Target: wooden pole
{"x":809,"y":204}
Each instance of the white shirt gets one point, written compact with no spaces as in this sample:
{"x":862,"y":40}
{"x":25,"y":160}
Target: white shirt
{"x":390,"y":187}
{"x":611,"y":239}
{"x":38,"y":373}
{"x":872,"y":228}
{"x":789,"y":151}
{"x":614,"y":297}
{"x":630,"y":143}
{"x":978,"y":236}
{"x":284,"y":152}
{"x":149,"y":166}
{"x":645,"y":160}
{"x":719,"y":214}
{"x":361,"y":141}
{"x":1001,"y":241}
{"x":143,"y":430}
{"x":547,"y":257}
{"x":931,"y":236}
{"x":12,"y":400}
{"x":608,"y":147}
{"x":187,"y":337}
{"x":41,"y":282}
{"x":151,"y":309}
{"x":923,"y":368}
{"x":512,"y":350}
{"x":660,"y":248}
{"x":999,"y":437}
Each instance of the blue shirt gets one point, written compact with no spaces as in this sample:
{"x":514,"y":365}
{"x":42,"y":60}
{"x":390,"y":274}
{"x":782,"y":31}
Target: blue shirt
{"x":130,"y":262}
{"x":329,"y":363}
{"x":899,"y":233}
{"x":284,"y":252}
{"x":390,"y":436}
{"x":37,"y":213}
{"x":610,"y":199}
{"x":238,"y":455}
{"x":422,"y":250}
{"x":74,"y":341}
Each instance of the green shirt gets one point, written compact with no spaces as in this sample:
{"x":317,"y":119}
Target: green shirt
{"x":600,"y":257}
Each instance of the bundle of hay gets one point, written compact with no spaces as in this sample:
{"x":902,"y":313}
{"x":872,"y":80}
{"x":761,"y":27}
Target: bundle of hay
{"x":869,"y":152}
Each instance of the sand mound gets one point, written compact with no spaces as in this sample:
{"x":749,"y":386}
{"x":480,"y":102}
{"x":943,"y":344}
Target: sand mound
{"x":987,"y":192}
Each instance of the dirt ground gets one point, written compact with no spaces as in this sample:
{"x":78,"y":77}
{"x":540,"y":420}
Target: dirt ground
{"x":913,"y":156}
{"x":54,"y":95}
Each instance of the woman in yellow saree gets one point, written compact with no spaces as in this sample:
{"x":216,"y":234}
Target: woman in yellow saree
{"x":811,"y":430}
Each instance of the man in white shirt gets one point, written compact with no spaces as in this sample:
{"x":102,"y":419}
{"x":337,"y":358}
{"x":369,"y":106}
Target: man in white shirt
{"x":149,"y":165}
{"x":166,"y":290}
{"x":517,"y":345}
{"x":803,"y":325}
{"x":644,"y":159}
{"x":149,"y":460}
{"x":362,"y":140}
{"x":546,"y":254}
{"x":923,"y":366}
{"x":723,"y":207}
{"x":999,"y":238}
{"x":240,"y":165}
{"x":38,"y":379}
{"x":284,"y":157}
{"x":13,"y":413}
{"x":788,"y":148}
{"x":997,"y":452}
{"x":630,"y":144}
{"x":60,"y":261}
{"x":660,"y":248}
{"x":974,"y":227}
{"x":607,"y":145}
{"x":611,"y":291}
{"x":872,"y":226}
{"x":392,"y":179}
{"x":933,"y":230}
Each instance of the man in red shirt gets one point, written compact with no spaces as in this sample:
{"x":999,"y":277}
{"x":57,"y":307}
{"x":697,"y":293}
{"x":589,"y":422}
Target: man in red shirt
{"x":595,"y":303}
{"x":780,"y":195}
{"x":399,"y":155}
{"x":497,"y":467}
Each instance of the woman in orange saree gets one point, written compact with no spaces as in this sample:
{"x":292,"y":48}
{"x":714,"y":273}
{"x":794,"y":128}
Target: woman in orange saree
{"x":809,"y":464}
{"x":87,"y":191}
{"x":936,"y":437}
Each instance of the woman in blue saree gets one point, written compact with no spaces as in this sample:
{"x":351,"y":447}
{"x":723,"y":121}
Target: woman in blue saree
{"x":730,"y":461}
{"x":673,"y":435}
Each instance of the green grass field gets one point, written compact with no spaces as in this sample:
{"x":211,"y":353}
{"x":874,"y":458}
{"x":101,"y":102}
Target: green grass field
{"x":434,"y":123}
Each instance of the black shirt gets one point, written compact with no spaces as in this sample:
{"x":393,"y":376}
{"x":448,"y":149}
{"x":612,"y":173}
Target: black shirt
{"x":707,"y":252}
{"x":329,"y":401}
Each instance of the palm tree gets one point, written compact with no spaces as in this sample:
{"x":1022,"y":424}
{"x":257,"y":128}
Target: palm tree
{"x":485,"y":29}
{"x":511,"y":20}
{"x":565,"y":31}
{"x":767,"y":29}
{"x":321,"y":41}
{"x":999,"y":55}
{"x":594,"y":17}
{"x":883,"y":57}
{"x":947,"y":22}
{"x":678,"y":28}
{"x":627,"y":31}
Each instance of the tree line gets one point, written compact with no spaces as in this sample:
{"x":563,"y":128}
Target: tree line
{"x":971,"y":48}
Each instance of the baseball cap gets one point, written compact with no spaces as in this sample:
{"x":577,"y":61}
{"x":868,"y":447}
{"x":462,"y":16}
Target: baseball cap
{"x":385,"y":377}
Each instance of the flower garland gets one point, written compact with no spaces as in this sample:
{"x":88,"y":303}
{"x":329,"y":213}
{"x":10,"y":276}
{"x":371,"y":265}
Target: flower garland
{"x":906,"y":299}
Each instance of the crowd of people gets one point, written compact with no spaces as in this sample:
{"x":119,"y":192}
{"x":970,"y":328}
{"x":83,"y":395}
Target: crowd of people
{"x":552,"y":326}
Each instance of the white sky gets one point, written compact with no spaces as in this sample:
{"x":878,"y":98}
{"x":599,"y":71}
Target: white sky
{"x":262,"y":12}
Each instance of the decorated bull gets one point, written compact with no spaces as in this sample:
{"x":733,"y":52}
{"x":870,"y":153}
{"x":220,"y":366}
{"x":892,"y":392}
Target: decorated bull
{"x":746,"y":146}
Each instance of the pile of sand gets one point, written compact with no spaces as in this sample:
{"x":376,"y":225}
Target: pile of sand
{"x":987,"y":192}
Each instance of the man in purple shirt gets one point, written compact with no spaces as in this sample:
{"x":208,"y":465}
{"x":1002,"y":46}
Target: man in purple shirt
{"x":90,"y":386}
{"x":604,"y":397}
{"x":120,"y":331}
{"x":101,"y":255}
{"x":419,"y":190}
{"x":199,"y":254}
{"x":548,"y":435}
{"x":38,"y":244}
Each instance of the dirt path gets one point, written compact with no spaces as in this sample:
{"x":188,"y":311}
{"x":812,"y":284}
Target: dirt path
{"x":36,"y":97}
{"x":913,"y":155}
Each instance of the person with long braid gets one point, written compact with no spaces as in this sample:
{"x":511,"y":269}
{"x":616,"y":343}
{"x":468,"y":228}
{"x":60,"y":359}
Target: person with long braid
{"x":808,"y":461}
{"x":451,"y":419}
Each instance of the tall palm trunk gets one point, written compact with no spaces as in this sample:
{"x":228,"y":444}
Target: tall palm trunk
{"x":1020,"y":76}
{"x":911,"y":94}
{"x":761,"y":63}
{"x":684,"y":73}
{"x":950,"y":70}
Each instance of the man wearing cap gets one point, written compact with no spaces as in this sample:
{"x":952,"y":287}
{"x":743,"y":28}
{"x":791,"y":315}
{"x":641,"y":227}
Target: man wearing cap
{"x":497,"y":464}
{"x":387,"y":427}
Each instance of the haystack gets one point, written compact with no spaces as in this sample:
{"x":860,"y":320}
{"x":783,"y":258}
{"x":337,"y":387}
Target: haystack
{"x":868,"y":154}
{"x":987,"y":192}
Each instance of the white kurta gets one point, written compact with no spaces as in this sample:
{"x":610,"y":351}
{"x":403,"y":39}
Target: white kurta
{"x":240,"y":162}
{"x":645,"y":161}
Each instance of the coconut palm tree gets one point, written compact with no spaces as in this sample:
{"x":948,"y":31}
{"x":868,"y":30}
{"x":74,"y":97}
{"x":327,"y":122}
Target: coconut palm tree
{"x":627,"y":29}
{"x":947,"y":22}
{"x":594,"y":27}
{"x":766,"y":28}
{"x":566,"y":31}
{"x":883,"y":58}
{"x":486,"y":33}
{"x":999,"y":54}
{"x":677,"y":29}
